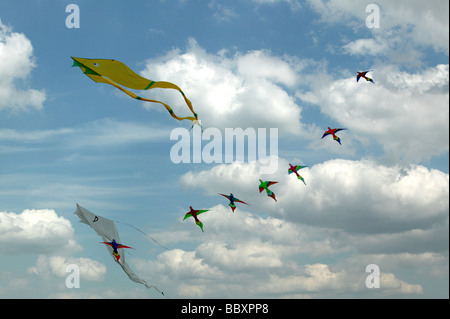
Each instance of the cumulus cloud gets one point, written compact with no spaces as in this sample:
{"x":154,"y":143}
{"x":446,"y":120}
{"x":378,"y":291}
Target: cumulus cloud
{"x":246,"y":255}
{"x":320,"y":280}
{"x":406,"y":206}
{"x":408,"y":117}
{"x":242,"y":90}
{"x":16,"y":54}
{"x":35,"y":231}
{"x":46,"y":266}
{"x":393,"y":216}
{"x":423,"y":23}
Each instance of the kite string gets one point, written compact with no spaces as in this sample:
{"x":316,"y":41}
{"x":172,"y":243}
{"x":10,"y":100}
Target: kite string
{"x":144,"y":234}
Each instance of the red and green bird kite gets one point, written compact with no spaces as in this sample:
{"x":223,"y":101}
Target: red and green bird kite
{"x":265,"y":186}
{"x":333,"y":133}
{"x":194,"y":213}
{"x":232,"y":200}
{"x":363,"y":75}
{"x":295,"y":169}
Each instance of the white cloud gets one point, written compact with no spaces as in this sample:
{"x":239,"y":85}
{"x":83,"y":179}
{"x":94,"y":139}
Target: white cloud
{"x":90,"y":270}
{"x":407,"y":113}
{"x":17,"y":62}
{"x":35,"y":231}
{"x":245,"y":255}
{"x":372,"y":47}
{"x":406,"y":206}
{"x":244,"y":90}
{"x":321,"y":280}
{"x":406,"y":27}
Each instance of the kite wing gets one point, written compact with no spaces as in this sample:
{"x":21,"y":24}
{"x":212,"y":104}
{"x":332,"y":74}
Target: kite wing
{"x":226,"y":196}
{"x":235,"y":199}
{"x":270,"y":183}
{"x":118,"y":246}
{"x":123,"y":246}
{"x":202,"y":211}
{"x":198,"y":213}
{"x":116,"y":73}
{"x":106,"y":229}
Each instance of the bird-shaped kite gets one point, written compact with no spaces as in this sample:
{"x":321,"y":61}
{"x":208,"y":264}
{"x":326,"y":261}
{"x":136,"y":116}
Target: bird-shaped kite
{"x":115,"y":246}
{"x":194,"y":213}
{"x":232,"y":200}
{"x":116,"y":73}
{"x":333,"y":133}
{"x":295,"y":169}
{"x":265,"y":186}
{"x":363,"y":75}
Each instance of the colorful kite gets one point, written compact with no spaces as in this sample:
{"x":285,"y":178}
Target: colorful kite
{"x":295,"y":169}
{"x":265,"y":186}
{"x":363,"y":75}
{"x":106,"y":229}
{"x":232,"y":200}
{"x":333,"y":133}
{"x":194,"y":213}
{"x":115,"y":246}
{"x":117,"y":73}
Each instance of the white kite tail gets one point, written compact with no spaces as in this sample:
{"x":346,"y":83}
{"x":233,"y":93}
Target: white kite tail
{"x":136,"y":278}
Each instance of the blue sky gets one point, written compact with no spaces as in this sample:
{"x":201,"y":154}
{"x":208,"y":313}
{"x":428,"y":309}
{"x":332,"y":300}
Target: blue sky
{"x":379,"y":198}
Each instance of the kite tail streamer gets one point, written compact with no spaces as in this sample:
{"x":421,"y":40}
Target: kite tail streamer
{"x":168,"y":108}
{"x":136,"y":279}
{"x":169,"y":85}
{"x":144,"y":234}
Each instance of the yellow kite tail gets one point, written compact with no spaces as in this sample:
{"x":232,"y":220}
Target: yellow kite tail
{"x":169,"y":109}
{"x":169,"y":85}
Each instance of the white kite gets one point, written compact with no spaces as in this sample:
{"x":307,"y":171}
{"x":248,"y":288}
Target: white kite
{"x":106,"y":229}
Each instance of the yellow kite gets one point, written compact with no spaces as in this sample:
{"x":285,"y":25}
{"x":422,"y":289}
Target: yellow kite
{"x":117,"y":73}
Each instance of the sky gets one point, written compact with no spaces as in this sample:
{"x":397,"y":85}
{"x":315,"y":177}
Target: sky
{"x":286,"y":67}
